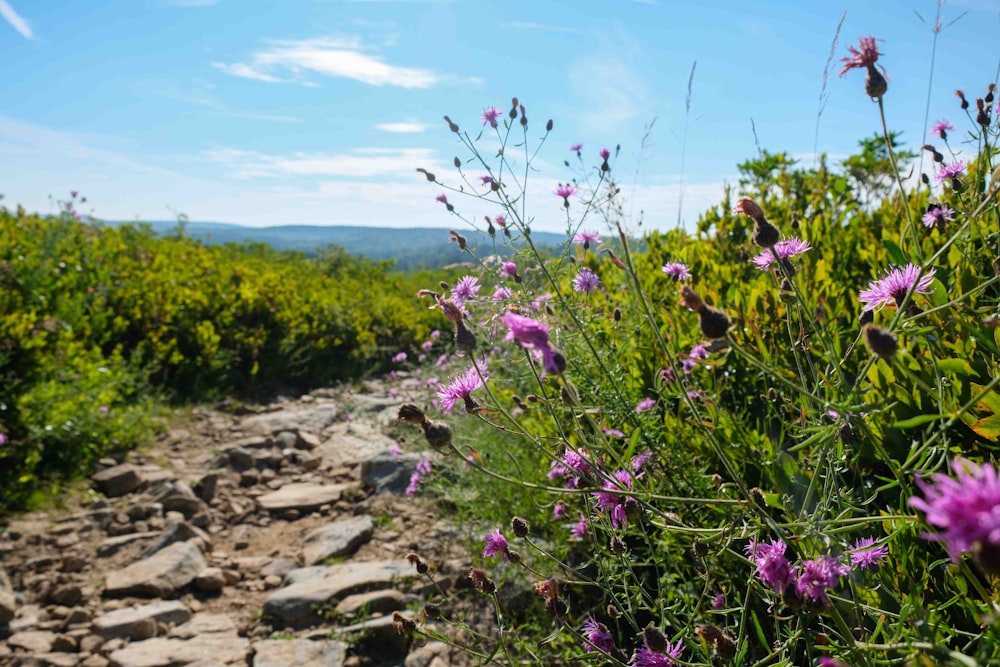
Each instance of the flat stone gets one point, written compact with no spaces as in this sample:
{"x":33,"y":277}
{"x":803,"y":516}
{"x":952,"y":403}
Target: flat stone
{"x":159,"y":575}
{"x":66,"y":594}
{"x":299,"y":652}
{"x":32,"y":641}
{"x":8,"y":604}
{"x":389,"y":473}
{"x":207,"y":640}
{"x":384,"y":601}
{"x":205,"y":623}
{"x":119,"y":623}
{"x":297,"y":605}
{"x":118,"y":480}
{"x":54,"y":659}
{"x":112,"y":545}
{"x":210,"y":580}
{"x":353,"y":442}
{"x":312,"y":418}
{"x":340,"y":538}
{"x":301,"y":496}
{"x":177,"y":532}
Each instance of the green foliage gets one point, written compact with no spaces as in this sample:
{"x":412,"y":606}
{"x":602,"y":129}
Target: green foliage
{"x":94,"y":316}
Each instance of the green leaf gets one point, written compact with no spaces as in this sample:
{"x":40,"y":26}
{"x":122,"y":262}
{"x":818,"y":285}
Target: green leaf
{"x":954,"y":366}
{"x":988,"y":427}
{"x":917,"y":421}
{"x":895,"y":253}
{"x":990,"y":402}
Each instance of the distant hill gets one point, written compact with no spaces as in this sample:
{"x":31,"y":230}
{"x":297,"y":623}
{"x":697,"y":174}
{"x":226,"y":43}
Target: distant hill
{"x":408,"y":248}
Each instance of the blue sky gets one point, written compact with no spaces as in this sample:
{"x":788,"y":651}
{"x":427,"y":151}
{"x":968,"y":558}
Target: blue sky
{"x":262,"y":112}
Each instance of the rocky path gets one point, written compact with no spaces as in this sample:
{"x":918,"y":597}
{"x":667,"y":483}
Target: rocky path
{"x":271,"y":538}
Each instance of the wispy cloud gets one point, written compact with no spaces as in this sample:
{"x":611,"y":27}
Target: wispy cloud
{"x":224,"y":110}
{"x":358,"y":163}
{"x":544,"y":27}
{"x":16,"y":22}
{"x":408,"y":127}
{"x":328,"y":57}
{"x":615,"y":93}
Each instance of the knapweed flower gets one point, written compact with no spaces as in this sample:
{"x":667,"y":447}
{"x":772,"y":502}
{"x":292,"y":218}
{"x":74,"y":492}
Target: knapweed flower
{"x":830,"y":662}
{"x":781,"y":251}
{"x":866,"y":555}
{"x":773,"y":566}
{"x":579,"y":529}
{"x":435,"y":334}
{"x":605,"y":153}
{"x":533,"y":335}
{"x":460,"y":389}
{"x":677,"y":271}
{"x":399,"y":358}
{"x":565,"y":191}
{"x":949,"y":172}
{"x":892,"y":288}
{"x":937,"y":215}
{"x":699,"y":351}
{"x":587,"y":238}
{"x":647,"y":657}
{"x":719,"y":601}
{"x":502,"y":293}
{"x":574,"y":465}
{"x":508,"y":269}
{"x":424,"y":468}
{"x":586,"y":281}
{"x":485,"y":179}
{"x":645,"y":404}
{"x":967,"y":510}
{"x":465,"y":290}
{"x":866,"y":56}
{"x":576,"y":148}
{"x":491,"y":116}
{"x":941,"y":129}
{"x":559,"y":510}
{"x":496,"y":544}
{"x":501,"y":220}
{"x":612,"y":501}
{"x":597,"y":636}
{"x":814,"y":577}
{"x":443,"y":198}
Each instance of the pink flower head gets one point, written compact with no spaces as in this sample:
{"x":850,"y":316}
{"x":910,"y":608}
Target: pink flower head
{"x":645,"y":404}
{"x":502,"y":293}
{"x":647,"y":657}
{"x":565,"y":191}
{"x":532,"y":335}
{"x":699,"y":351}
{"x":509,"y":269}
{"x":586,"y":281}
{"x":559,"y":511}
{"x":586,"y":238}
{"x":966,"y":507}
{"x":866,"y":555}
{"x":941,"y":129}
{"x":597,"y":637}
{"x":576,"y":148}
{"x":611,"y":500}
{"x":435,"y":334}
{"x":579,"y":529}
{"x":465,"y":290}
{"x":485,"y":179}
{"x":443,"y":198}
{"x":677,"y":271}
{"x":781,"y":251}
{"x":864,"y":56}
{"x":937,"y":215}
{"x":773,"y":567}
{"x":491,"y":116}
{"x":399,"y":358}
{"x":460,"y":389}
{"x":501,"y":220}
{"x":892,"y":288}
{"x":947,"y":172}
{"x":605,"y":153}
{"x":815,"y":576}
{"x":496,"y":544}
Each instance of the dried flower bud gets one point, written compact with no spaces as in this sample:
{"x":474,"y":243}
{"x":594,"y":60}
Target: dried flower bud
{"x":417,"y":562}
{"x":880,"y":341}
{"x":428,"y":175}
{"x":699,"y":549}
{"x":924,"y":179}
{"x":617,"y":315}
{"x":655,"y":640}
{"x":713,"y":322}
{"x":617,"y":546}
{"x":411,"y":413}
{"x":436,"y":434}
{"x":457,"y":163}
{"x":716,"y":638}
{"x":518,"y":402}
{"x":458,"y":238}
{"x":451,"y":310}
{"x":987,"y":556}
{"x":749,"y":207}
{"x":690,"y":298}
{"x":989,"y":93}
{"x":716,"y":480}
{"x":432,"y":611}
{"x":451,"y":125}
{"x":612,"y":611}
{"x":556,"y":608}
{"x":481,"y":582}
{"x":765,"y":234}
{"x":548,"y":126}
{"x":465,"y":340}
{"x":548,"y":589}
{"x":960,"y":95}
{"x":519,"y":526}
{"x":402,"y":625}
{"x":982,"y":113}
{"x":513,"y":556}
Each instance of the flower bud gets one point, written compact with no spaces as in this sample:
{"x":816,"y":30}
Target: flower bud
{"x":655,"y":640}
{"x":519,"y":526}
{"x":451,"y":125}
{"x":402,"y":625}
{"x":880,"y":341}
{"x":411,"y":413}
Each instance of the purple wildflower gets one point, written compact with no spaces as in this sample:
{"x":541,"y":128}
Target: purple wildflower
{"x":611,"y":500}
{"x":496,"y":544}
{"x":460,"y":389}
{"x":612,"y":432}
{"x":639,"y":461}
{"x":532,"y":335}
{"x":490,"y":115}
{"x":941,"y":129}
{"x":501,"y":220}
{"x":688,"y":365}
{"x":586,"y":281}
{"x":485,"y":179}
{"x":719,"y":601}
{"x":699,"y":351}
{"x":465,"y":290}
{"x":645,"y":404}
{"x":894,"y":287}
{"x":586,"y":238}
{"x":865,"y":56}
{"x":423,"y":469}
{"x":605,"y":153}
{"x":646,"y":657}
{"x":937,"y":215}
{"x":565,"y":191}
{"x":947,"y":172}
{"x":395,"y":450}
{"x":435,"y":334}
{"x":427,"y":345}
{"x":576,"y":148}
{"x":830,"y":662}
{"x":509,"y":269}
{"x":399,"y":358}
{"x":866,"y":555}
{"x":501,"y":293}
{"x":781,"y":251}
{"x":443,"y":198}
{"x":579,"y":529}
{"x":597,"y":636}
{"x":677,"y":271}
{"x":816,"y":576}
{"x":559,"y":511}
{"x":966,"y":508}
{"x":773,"y":567}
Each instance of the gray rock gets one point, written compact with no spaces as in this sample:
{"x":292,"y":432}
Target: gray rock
{"x":299,"y":652}
{"x":8,"y":605}
{"x":312,"y":418}
{"x":353,"y":442}
{"x":240,"y":459}
{"x":110,"y":546}
{"x":301,"y":496}
{"x":204,"y":624}
{"x":177,"y":532}
{"x":384,"y":601}
{"x":340,"y":538}
{"x":298,"y":604}
{"x":279,"y":567}
{"x":388,"y":473}
{"x":380,"y":632}
{"x":205,"y":487}
{"x":66,"y":594}
{"x":206,"y":640}
{"x":118,"y":480}
{"x":54,"y":659}
{"x":210,"y":580}
{"x":159,"y":575}
{"x":427,"y":654}
{"x":32,"y":641}
{"x":119,"y":623}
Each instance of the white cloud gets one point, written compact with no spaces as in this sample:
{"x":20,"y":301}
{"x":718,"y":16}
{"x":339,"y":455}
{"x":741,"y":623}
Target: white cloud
{"x":358,"y":163}
{"x":16,"y":22}
{"x":328,"y":57}
{"x":224,"y":110}
{"x":407,"y":127}
{"x":615,"y":93}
